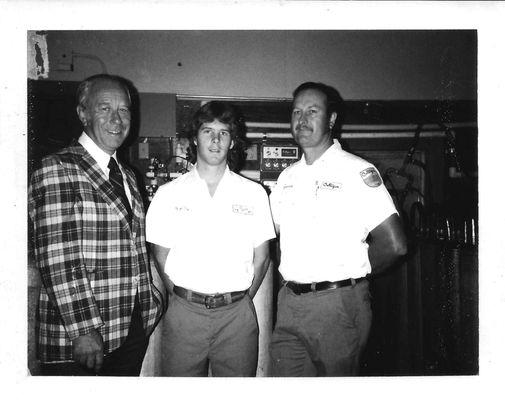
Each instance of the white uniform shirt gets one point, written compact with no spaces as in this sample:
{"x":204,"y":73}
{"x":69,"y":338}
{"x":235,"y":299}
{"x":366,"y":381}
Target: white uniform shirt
{"x":325,"y":212}
{"x":211,"y":239}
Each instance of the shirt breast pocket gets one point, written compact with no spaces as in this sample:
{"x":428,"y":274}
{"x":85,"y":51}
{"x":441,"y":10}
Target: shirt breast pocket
{"x":289,"y":198}
{"x":330,"y":196}
{"x":183,"y":220}
{"x":333,"y":205}
{"x":242,"y":217}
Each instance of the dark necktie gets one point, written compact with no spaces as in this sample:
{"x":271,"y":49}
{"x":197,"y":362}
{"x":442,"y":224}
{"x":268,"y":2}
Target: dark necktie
{"x":116,"y":179}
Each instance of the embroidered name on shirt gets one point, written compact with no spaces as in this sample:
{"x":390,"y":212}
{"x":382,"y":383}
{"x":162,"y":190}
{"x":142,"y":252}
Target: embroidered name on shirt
{"x":328,"y":185}
{"x":181,"y":209}
{"x":241,"y":209}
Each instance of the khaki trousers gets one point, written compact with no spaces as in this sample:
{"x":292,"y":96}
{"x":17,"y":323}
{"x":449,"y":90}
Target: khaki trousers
{"x":321,"y":333}
{"x":226,"y":337}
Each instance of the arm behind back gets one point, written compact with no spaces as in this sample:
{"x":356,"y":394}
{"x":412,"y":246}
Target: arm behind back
{"x":387,"y":244}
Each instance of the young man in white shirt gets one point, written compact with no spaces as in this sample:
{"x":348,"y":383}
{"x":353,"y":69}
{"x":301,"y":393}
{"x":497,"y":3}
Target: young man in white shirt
{"x":209,"y":231}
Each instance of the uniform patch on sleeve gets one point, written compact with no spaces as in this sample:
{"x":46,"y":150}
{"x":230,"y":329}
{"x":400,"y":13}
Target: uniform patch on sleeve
{"x":371,"y":177}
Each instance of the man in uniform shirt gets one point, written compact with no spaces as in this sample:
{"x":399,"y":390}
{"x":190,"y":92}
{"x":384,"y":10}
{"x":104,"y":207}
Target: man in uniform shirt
{"x":210,"y":230}
{"x":337,"y":223}
{"x":97,"y":304}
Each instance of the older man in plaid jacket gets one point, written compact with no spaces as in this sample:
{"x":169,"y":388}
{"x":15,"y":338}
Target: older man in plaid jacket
{"x":97,"y":304}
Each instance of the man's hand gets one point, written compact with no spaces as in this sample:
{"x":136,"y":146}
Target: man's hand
{"x":88,"y":350}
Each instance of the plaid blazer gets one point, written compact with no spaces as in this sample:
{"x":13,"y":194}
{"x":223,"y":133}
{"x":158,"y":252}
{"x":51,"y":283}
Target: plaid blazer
{"x":91,"y":261}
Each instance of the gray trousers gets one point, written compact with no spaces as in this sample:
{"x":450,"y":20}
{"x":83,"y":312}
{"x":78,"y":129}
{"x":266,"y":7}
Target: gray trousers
{"x":226,"y":337}
{"x":321,"y":333}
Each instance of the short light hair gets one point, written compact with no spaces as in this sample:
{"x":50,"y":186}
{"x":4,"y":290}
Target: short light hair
{"x":86,"y":86}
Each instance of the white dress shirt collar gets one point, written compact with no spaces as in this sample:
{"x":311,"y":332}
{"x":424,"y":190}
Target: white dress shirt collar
{"x":100,"y":156}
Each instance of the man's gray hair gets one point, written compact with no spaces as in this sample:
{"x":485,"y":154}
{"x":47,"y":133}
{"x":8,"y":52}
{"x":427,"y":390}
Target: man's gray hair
{"x":86,"y":85}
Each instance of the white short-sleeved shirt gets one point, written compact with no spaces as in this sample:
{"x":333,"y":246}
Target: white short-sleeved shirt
{"x":211,"y":239}
{"x":325,"y":212}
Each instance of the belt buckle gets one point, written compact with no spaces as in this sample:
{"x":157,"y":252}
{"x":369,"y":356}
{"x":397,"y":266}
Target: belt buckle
{"x":210,"y":302}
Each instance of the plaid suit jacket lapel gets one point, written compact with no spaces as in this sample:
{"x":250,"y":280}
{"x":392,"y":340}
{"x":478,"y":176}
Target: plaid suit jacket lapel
{"x":99,"y":181}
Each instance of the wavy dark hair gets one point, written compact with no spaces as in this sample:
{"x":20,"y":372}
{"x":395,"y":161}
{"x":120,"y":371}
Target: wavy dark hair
{"x":334,"y":102}
{"x":228,"y":114}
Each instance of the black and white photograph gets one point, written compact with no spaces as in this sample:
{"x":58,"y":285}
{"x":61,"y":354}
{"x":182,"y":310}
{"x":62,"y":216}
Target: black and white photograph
{"x":262,"y":191}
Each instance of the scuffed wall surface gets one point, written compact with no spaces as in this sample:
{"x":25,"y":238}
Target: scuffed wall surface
{"x":38,"y":60}
{"x":362,"y":65}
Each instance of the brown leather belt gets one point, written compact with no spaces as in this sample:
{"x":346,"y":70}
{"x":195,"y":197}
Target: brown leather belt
{"x":299,"y":288}
{"x":209,"y":300}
